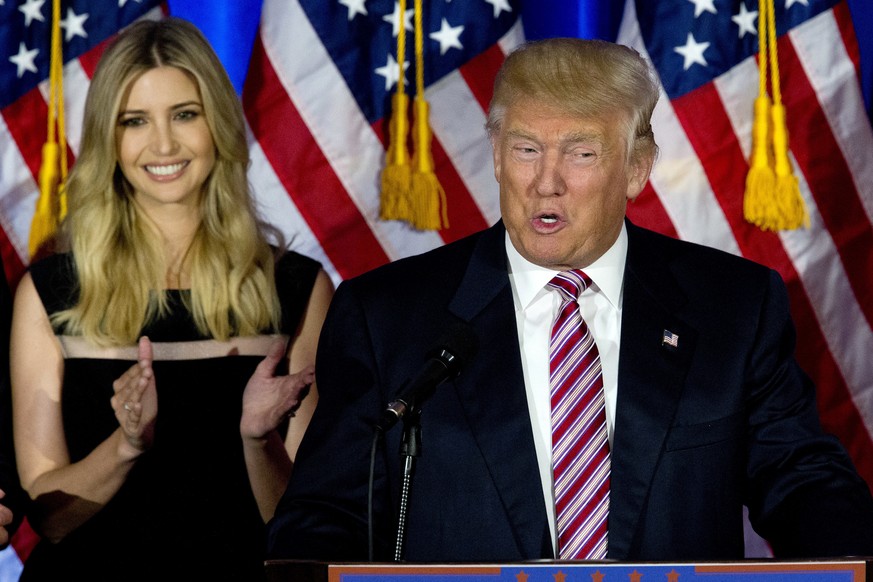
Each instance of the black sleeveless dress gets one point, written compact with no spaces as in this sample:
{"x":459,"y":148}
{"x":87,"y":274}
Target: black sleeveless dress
{"x":186,"y":510}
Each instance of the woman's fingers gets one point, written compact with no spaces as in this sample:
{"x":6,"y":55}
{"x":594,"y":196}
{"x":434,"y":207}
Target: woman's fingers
{"x":133,"y":390}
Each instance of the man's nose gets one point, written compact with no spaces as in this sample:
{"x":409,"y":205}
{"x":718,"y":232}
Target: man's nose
{"x":549,"y":178}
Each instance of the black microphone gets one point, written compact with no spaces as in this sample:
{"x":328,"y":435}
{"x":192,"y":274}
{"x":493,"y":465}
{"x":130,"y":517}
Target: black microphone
{"x":452,"y":352}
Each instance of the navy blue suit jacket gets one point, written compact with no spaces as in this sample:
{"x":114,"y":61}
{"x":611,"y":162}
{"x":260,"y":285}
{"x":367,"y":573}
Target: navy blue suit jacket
{"x":726,"y":418}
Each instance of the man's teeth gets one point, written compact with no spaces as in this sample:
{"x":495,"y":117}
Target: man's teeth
{"x":548,"y":219}
{"x":165,"y":170}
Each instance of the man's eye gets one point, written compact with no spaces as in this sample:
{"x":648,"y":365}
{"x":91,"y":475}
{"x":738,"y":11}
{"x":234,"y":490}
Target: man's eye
{"x":583,"y":156}
{"x":525,"y":150}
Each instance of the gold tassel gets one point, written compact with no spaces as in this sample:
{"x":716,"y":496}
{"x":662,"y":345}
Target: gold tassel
{"x":772,"y":199}
{"x":45,"y":223}
{"x":788,"y":197}
{"x":428,"y":197}
{"x":412,"y":192}
{"x":792,"y":211}
{"x":397,"y":172}
{"x":396,"y":176}
{"x":51,"y":206}
{"x":760,"y":181}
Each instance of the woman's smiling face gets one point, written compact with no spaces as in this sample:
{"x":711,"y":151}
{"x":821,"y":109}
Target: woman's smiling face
{"x":165,"y":147}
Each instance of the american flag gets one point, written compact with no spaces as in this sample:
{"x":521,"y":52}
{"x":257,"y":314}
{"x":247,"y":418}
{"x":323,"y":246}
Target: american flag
{"x":317,"y":95}
{"x":316,"y":100}
{"x":704,"y":52}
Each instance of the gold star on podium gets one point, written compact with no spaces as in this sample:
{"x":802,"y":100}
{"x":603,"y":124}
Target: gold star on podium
{"x":521,"y":576}
{"x":672,"y":576}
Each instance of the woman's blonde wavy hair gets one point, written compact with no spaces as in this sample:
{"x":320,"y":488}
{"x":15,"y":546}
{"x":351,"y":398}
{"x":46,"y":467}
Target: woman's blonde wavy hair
{"x":118,"y":257}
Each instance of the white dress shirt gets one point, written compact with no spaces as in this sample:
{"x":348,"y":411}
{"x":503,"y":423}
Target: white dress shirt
{"x":536,"y":307}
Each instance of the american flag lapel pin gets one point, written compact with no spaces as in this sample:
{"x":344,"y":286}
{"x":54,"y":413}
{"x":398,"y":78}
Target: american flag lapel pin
{"x":670,"y":339}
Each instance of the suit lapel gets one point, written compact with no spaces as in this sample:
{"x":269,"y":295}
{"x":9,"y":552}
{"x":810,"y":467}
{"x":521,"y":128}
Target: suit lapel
{"x":492,"y":392}
{"x":650,"y":382}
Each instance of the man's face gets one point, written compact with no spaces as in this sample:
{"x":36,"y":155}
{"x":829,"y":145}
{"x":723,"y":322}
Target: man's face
{"x":564,"y":183}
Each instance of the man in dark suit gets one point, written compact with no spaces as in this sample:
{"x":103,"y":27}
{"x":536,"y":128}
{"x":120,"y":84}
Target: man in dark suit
{"x":707,"y":410}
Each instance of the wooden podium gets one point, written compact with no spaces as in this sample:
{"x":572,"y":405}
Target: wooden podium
{"x":557,"y":571}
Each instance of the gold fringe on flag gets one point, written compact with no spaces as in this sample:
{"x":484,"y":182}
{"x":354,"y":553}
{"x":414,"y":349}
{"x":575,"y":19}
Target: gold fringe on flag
{"x":772,"y":200}
{"x":411,"y":192}
{"x":51,"y":207}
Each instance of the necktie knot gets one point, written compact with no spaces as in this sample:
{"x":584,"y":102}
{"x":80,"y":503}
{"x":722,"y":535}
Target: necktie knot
{"x":571,"y":284}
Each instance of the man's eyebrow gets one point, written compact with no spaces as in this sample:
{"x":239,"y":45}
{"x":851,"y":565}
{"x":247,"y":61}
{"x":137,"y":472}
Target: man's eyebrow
{"x":521,"y":134}
{"x":583,"y":137}
{"x":579,"y":137}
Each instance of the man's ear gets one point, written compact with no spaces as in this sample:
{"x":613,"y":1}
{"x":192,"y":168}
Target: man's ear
{"x":495,"y":153}
{"x":640,"y":169}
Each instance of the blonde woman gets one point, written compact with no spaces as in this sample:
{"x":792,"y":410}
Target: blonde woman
{"x":156,"y":420}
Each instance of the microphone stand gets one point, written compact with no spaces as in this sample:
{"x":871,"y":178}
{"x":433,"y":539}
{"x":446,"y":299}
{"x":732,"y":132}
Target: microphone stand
{"x":410,"y":450}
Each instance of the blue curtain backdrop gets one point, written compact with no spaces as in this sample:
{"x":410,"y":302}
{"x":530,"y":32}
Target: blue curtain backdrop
{"x":231,"y":26}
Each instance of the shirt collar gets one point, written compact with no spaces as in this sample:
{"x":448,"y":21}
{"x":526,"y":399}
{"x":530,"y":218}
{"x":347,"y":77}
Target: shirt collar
{"x":607,"y":272}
